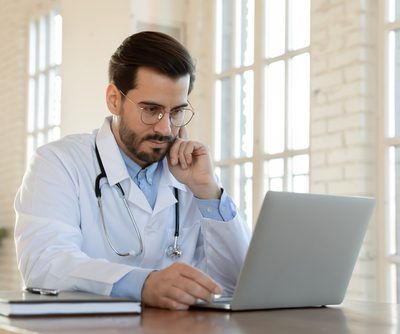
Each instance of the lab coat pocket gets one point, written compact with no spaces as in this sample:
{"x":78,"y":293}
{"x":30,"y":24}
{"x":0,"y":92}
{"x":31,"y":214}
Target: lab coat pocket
{"x":189,"y":241}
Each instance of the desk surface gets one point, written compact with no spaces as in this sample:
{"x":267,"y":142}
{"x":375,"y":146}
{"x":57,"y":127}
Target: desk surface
{"x":352,"y":317}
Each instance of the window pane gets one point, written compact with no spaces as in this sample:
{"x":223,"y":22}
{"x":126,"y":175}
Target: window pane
{"x":299,"y":168}
{"x":41,"y":102}
{"x":276,"y":184}
{"x":43,"y":43}
{"x":396,"y":180}
{"x":392,"y":228}
{"x":40,"y":139}
{"x":300,"y":164}
{"x":53,"y":134}
{"x":275,"y":28}
{"x":55,"y":31}
{"x":396,"y":282}
{"x":300,"y":184}
{"x":393,"y":86}
{"x":31,"y":105}
{"x":33,"y":48}
{"x":30,"y":147}
{"x":224,"y":119}
{"x":54,"y":98}
{"x":299,"y":97}
{"x":245,"y":34}
{"x":299,"y":24}
{"x":224,"y":35}
{"x":274,"y":171}
{"x":274,"y":134}
{"x":224,"y":175}
{"x":393,"y":10}
{"x":244,"y":115}
{"x":275,"y":167}
{"x":58,"y":39}
{"x":244,"y":181}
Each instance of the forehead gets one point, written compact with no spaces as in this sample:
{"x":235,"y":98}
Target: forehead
{"x":151,"y":81}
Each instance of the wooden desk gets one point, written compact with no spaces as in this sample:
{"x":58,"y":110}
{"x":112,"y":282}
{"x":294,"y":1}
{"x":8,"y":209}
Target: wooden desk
{"x":352,"y":317}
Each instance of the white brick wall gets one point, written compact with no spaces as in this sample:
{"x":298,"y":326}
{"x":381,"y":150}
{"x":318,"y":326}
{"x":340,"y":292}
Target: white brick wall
{"x":85,"y":56}
{"x":343,"y":37}
{"x":14,"y":18}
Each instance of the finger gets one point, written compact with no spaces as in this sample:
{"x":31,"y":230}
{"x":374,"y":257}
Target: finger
{"x":174,"y":151}
{"x":183,"y":133}
{"x":194,"y":290}
{"x":204,"y":280}
{"x":187,"y":152}
{"x":181,"y":295}
{"x":184,"y":151}
{"x":171,"y":304}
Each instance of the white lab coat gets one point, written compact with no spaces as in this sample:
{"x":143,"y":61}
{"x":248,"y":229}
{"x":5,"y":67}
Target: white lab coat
{"x":59,"y":237}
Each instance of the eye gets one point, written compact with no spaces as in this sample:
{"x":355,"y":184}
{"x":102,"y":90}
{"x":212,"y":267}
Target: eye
{"x":177,"y":112}
{"x":151,"y":109}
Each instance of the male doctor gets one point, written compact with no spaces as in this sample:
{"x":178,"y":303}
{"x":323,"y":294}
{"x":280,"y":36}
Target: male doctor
{"x":133,"y":209}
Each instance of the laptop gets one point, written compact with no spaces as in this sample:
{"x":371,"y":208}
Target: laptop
{"x":302,"y":252}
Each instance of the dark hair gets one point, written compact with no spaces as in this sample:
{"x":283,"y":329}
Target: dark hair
{"x":149,"y":49}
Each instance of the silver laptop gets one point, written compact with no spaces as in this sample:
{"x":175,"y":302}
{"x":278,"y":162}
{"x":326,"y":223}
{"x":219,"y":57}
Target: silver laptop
{"x":302,"y":253}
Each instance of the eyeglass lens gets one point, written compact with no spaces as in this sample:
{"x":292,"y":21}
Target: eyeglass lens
{"x":153,"y":114}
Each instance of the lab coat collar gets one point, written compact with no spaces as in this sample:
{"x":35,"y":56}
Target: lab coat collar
{"x":116,"y":171}
{"x":110,"y":155}
{"x":166,"y":196}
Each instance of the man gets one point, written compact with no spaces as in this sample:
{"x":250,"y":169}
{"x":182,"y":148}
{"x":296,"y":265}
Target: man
{"x":133,"y":209}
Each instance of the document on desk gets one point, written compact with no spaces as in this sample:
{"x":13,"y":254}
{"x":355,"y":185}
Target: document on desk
{"x":23,"y":303}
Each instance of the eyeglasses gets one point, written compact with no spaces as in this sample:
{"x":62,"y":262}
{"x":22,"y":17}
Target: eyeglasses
{"x":153,"y":113}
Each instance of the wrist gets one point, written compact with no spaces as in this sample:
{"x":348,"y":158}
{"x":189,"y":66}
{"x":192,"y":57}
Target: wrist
{"x":212,"y":191}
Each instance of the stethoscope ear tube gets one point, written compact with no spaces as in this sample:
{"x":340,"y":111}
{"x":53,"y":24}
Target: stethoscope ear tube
{"x":97,"y":189}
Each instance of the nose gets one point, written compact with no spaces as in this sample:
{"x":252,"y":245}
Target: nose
{"x":163,"y":126}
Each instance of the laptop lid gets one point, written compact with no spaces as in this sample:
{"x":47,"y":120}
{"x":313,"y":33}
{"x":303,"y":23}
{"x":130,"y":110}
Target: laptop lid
{"x":303,"y":251}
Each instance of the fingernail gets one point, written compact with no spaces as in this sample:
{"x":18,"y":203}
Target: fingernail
{"x":217,"y":291}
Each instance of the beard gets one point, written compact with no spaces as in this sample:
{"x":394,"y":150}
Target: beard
{"x":132,"y":142}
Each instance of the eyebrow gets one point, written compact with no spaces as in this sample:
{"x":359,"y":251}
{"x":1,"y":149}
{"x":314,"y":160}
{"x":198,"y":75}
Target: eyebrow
{"x":160,"y":105}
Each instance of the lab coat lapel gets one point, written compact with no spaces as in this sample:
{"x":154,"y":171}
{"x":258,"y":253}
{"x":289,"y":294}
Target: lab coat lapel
{"x":166,"y":196}
{"x":137,"y":197}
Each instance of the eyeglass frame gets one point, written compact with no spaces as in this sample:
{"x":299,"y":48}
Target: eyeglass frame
{"x":162,"y":113}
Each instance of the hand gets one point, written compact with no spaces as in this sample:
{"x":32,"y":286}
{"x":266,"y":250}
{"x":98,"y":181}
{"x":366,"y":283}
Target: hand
{"x":190,"y":163}
{"x":177,"y":287}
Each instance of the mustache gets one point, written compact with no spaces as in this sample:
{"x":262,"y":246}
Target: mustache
{"x":168,"y":139}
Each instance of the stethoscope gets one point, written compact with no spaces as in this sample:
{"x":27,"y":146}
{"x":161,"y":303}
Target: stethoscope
{"x":173,"y":250}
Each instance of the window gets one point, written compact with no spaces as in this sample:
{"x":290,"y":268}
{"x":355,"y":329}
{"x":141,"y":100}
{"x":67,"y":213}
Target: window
{"x":44,"y":87}
{"x":261,"y":131}
{"x":392,"y":148}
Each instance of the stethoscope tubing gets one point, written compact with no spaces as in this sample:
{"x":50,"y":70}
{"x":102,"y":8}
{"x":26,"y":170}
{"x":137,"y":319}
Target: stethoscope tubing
{"x":172,"y":251}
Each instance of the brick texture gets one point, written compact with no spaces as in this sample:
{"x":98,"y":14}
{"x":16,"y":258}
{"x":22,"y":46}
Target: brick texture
{"x":343,"y":161}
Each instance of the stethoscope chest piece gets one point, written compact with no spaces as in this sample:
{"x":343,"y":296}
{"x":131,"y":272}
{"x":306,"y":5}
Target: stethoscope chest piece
{"x":174,"y":251}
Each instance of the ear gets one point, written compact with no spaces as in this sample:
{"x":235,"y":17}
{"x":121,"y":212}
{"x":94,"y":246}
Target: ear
{"x":113,"y":99}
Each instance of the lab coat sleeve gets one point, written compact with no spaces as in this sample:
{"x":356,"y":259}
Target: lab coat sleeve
{"x":47,"y":232}
{"x":225,"y":248}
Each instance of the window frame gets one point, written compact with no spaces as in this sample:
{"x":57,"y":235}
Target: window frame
{"x":33,"y":129}
{"x":259,"y":157}
{"x":388,"y":286}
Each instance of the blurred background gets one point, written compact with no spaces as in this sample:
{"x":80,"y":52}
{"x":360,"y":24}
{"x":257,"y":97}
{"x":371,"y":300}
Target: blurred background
{"x":292,"y":95}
